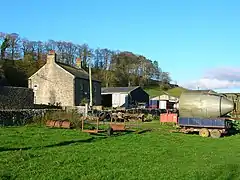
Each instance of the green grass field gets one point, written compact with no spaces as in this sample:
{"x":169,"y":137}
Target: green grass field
{"x":33,"y":152}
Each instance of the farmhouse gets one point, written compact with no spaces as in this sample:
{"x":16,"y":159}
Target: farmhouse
{"x":59,"y":83}
{"x":123,"y":96}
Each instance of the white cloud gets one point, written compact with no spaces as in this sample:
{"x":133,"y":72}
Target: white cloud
{"x":207,"y":83}
{"x":224,"y":73}
{"x":218,"y":78}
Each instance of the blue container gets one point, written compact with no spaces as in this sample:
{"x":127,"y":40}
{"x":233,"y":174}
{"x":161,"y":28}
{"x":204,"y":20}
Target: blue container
{"x":203,"y":122}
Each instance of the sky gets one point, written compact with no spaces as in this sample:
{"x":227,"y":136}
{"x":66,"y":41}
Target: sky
{"x":197,"y":42}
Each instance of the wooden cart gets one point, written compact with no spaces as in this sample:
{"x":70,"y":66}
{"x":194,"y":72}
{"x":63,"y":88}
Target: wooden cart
{"x":113,"y":127}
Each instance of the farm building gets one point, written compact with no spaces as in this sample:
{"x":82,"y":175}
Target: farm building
{"x":123,"y":96}
{"x":58,"y":83}
{"x":164,"y":101}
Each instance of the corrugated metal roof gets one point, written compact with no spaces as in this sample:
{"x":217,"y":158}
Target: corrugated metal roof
{"x":118,"y":89}
{"x":78,"y":73}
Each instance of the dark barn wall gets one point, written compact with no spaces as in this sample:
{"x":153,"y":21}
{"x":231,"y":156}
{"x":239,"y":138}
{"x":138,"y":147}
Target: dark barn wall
{"x":97,"y":93}
{"x":106,"y":100}
{"x":139,"y":95}
{"x":82,"y":91}
{"x":16,"y":98}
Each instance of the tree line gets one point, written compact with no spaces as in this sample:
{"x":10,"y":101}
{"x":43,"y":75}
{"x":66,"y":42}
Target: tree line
{"x":112,"y":67}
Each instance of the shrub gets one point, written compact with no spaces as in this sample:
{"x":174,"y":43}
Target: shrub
{"x":72,"y":116}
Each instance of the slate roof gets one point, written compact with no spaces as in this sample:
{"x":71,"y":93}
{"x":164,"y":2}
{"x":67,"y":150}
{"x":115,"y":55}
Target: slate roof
{"x":111,"y":90}
{"x":78,"y":73}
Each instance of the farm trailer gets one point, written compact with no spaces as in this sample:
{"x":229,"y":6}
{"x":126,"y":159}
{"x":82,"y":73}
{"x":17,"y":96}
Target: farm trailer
{"x":205,"y":112}
{"x":214,"y":127}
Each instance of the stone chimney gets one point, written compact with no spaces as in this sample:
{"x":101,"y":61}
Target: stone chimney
{"x":78,"y":63}
{"x":51,"y":57}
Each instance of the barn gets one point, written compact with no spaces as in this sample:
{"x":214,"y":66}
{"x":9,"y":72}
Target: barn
{"x":165,"y":101}
{"x":125,"y":97}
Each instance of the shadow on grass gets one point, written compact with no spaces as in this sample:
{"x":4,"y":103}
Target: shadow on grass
{"x":64,"y":143}
{"x":126,"y":132}
{"x":143,"y":131}
{"x":121,"y":133}
{"x":94,"y":138}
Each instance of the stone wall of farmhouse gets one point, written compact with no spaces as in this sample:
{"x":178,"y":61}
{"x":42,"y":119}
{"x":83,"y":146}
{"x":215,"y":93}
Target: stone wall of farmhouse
{"x":52,"y":84}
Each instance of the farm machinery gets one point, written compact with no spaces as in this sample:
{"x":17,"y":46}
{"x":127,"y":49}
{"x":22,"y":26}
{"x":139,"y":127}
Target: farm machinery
{"x":95,"y":122}
{"x":118,"y":122}
{"x":205,"y":112}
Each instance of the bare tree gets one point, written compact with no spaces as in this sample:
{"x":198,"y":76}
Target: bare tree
{"x":85,"y":51}
{"x":14,"y":46}
{"x":106,"y":55}
{"x":39,"y":53}
{"x":50,"y":45}
{"x":71,"y":52}
{"x":27,"y":47}
{"x":97,"y":58}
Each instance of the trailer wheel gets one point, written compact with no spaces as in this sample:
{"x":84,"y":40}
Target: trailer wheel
{"x":204,"y":132}
{"x":215,"y":133}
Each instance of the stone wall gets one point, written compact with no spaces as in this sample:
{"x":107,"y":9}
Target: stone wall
{"x":16,"y":98}
{"x":52,"y":84}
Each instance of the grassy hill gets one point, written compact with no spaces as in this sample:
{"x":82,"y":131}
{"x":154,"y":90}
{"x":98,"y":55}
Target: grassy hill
{"x":156,"y":91}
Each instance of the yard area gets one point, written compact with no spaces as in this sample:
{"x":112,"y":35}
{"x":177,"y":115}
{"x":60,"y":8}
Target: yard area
{"x":34,"y":152}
